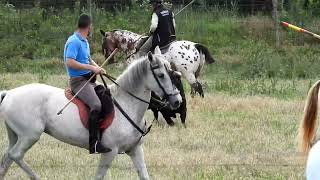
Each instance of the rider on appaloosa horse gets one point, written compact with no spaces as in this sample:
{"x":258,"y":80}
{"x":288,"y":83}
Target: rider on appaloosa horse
{"x":162,"y":29}
{"x":80,"y":68}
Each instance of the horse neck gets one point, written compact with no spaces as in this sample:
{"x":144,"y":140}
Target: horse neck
{"x":127,"y":41}
{"x":132,"y":81}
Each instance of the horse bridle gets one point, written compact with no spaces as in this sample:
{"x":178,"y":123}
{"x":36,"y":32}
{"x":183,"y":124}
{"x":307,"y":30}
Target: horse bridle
{"x":166,"y":95}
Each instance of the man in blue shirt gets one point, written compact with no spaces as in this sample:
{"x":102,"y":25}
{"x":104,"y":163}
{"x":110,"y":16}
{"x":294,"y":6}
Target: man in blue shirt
{"x":80,"y":68}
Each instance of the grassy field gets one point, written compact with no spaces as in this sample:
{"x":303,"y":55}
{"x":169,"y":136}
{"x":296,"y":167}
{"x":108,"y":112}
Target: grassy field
{"x":227,"y":137}
{"x":244,"y":128}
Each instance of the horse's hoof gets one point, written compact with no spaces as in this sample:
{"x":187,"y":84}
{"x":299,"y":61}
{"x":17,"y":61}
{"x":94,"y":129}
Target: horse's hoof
{"x":197,"y":89}
{"x":170,"y":123}
{"x":184,"y":125}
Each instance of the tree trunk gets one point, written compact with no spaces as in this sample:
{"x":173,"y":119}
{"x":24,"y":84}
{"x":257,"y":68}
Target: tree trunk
{"x":275,"y":16}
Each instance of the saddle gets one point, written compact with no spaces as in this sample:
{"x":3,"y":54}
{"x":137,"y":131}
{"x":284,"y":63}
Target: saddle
{"x":107,"y":112}
{"x":164,"y":49}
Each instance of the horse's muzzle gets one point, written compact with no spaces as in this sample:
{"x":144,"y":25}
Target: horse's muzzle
{"x":175,"y":101}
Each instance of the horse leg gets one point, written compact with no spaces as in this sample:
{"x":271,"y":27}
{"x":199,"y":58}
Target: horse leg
{"x":137,"y":158}
{"x":5,"y":165}
{"x":17,"y":152}
{"x":105,"y":163}
{"x":169,"y":121}
{"x":168,"y":115}
{"x":195,"y":85}
{"x":199,"y":89}
{"x":6,"y":161}
{"x":192,"y":93}
{"x":190,"y":78}
{"x":183,"y":116}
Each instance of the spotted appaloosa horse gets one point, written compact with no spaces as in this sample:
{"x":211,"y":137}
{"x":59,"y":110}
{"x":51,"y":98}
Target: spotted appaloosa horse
{"x":185,"y":56}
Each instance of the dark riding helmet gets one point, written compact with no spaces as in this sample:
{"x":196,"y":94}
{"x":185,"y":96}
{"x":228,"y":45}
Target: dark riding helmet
{"x":155,"y":1}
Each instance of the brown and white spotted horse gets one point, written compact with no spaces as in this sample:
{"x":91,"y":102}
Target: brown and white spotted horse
{"x":185,"y":56}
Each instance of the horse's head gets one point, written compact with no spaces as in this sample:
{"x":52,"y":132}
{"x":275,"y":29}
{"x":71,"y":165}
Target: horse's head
{"x":121,"y":39}
{"x":109,"y":44}
{"x":159,"y":81}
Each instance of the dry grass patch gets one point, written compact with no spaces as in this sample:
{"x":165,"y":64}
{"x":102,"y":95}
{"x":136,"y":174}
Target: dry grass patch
{"x":227,"y":137}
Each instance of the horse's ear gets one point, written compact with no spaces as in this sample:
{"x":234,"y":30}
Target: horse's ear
{"x":103,"y":33}
{"x":150,"y":56}
{"x":157,"y":50}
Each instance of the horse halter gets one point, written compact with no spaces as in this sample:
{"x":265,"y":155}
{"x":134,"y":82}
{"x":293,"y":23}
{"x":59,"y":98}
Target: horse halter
{"x":166,"y":95}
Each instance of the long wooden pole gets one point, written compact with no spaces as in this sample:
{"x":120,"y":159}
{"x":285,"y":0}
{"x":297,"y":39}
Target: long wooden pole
{"x":298,"y":29}
{"x":65,"y":106}
{"x":184,"y":8}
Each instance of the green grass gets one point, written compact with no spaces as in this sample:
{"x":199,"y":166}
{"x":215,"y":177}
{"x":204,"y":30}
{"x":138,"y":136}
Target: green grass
{"x":243,"y":46}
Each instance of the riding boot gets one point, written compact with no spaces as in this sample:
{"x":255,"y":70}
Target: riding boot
{"x":95,"y":145}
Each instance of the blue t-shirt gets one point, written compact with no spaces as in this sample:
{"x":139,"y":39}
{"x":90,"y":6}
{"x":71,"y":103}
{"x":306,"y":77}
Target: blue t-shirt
{"x":77,"y":48}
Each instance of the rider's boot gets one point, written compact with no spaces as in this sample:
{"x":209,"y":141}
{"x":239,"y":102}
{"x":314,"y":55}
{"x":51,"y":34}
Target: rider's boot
{"x":95,"y":145}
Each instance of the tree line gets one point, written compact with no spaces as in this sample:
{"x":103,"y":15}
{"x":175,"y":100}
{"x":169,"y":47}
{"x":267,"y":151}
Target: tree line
{"x":250,"y":6}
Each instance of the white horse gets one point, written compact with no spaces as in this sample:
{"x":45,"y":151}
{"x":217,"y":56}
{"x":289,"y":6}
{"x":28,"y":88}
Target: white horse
{"x":32,"y":109}
{"x":185,"y":56}
{"x":308,"y":141}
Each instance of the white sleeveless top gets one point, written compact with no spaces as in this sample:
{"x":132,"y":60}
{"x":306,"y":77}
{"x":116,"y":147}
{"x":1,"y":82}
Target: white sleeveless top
{"x":313,"y":163}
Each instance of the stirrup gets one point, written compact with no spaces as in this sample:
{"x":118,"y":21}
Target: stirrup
{"x":99,"y":148}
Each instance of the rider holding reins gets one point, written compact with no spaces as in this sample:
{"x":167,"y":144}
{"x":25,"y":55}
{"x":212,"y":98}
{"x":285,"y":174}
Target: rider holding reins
{"x":162,"y":29}
{"x":80,"y":68}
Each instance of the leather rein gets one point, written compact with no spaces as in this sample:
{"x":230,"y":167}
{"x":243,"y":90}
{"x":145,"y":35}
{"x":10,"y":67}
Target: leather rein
{"x":163,"y":104}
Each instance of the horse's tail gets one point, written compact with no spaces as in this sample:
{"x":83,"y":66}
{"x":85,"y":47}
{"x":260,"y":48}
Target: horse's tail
{"x":202,"y":49}
{"x":307,"y":130}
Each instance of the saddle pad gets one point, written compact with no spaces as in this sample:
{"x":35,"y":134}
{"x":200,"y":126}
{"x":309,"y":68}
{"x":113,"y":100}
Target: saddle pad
{"x":165,"y":49}
{"x":84,"y":114}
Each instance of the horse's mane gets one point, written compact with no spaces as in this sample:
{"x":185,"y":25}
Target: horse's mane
{"x":122,"y":31}
{"x":133,"y":75}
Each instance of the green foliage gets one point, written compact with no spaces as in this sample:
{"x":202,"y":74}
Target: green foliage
{"x":314,"y":6}
{"x":36,"y":33}
{"x":247,"y":60}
